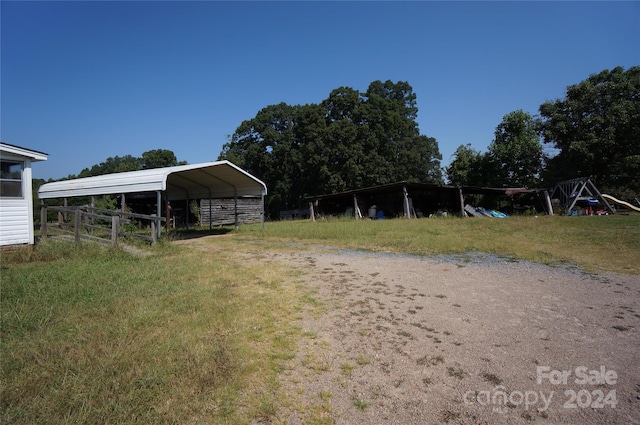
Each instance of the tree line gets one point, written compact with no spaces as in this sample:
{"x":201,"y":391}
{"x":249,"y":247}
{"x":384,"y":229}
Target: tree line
{"x":593,"y":132}
{"x":350,"y":140}
{"x":355,"y":139}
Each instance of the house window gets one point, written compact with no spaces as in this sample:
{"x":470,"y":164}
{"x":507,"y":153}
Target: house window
{"x":11,"y":179}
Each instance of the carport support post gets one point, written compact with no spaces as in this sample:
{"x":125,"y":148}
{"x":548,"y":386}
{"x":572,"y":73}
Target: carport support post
{"x":158,"y":211}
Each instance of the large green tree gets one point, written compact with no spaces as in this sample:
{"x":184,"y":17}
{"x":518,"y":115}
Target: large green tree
{"x":159,"y":158}
{"x":263,"y":146}
{"x":514,"y":157}
{"x":156,"y":158}
{"x":467,"y":167}
{"x":116,"y":164}
{"x":397,"y":150}
{"x":349,"y":140}
{"x":596,"y":130}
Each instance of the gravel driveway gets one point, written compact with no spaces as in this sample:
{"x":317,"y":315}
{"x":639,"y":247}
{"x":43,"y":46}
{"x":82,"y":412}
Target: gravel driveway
{"x":472,"y":339}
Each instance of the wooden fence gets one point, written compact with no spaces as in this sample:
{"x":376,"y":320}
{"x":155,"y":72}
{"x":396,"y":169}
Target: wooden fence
{"x":97,"y":224}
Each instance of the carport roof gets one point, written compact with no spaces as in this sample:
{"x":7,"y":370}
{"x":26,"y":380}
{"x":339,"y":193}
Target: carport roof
{"x":220,"y":179}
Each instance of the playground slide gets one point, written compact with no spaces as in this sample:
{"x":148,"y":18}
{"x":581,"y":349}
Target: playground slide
{"x":619,"y":202}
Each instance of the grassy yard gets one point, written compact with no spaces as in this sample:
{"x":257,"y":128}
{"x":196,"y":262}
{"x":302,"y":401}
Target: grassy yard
{"x":94,"y":335}
{"x":606,"y":243}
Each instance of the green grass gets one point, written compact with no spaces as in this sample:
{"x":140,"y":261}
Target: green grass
{"x":91,"y":334}
{"x":94,"y":335}
{"x":610,"y":243}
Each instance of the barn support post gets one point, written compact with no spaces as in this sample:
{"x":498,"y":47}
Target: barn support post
{"x":407,"y":210}
{"x":356,"y":208}
{"x":158,"y":212}
{"x":123,"y":204}
{"x":312,"y":214}
{"x":463,"y":213}
{"x":547,"y":200}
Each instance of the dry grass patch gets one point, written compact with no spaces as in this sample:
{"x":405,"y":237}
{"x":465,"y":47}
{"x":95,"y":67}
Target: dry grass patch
{"x":597,"y":243}
{"x":94,"y":335}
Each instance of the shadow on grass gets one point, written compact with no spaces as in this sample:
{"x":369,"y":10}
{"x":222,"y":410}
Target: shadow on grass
{"x":183,"y":234}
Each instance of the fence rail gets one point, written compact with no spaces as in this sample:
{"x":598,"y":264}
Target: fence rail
{"x":89,"y":221}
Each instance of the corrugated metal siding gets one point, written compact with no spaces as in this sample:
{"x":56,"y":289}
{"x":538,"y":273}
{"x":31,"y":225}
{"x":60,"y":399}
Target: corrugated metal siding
{"x":14,"y":221}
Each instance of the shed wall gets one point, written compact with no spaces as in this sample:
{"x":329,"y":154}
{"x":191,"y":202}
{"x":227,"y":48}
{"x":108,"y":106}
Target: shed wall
{"x":223,"y":211}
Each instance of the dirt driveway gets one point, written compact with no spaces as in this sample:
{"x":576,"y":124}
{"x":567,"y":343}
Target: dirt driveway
{"x":471,"y":339}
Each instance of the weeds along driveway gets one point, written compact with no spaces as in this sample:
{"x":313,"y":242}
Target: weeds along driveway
{"x":469,"y":339}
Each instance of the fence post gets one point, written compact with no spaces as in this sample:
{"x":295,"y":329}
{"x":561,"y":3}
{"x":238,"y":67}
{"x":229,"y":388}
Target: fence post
{"x":43,"y":222}
{"x":154,"y":235}
{"x":77,"y":222}
{"x":115,"y":222}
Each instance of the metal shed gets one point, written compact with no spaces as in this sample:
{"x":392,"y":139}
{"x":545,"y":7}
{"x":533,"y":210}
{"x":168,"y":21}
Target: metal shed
{"x":220,"y":179}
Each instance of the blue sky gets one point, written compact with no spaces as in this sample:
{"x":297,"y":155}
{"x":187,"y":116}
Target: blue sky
{"x":84,"y":80}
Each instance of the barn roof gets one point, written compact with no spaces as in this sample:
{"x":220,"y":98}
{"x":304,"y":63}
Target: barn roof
{"x":220,"y":179}
{"x":394,"y":187}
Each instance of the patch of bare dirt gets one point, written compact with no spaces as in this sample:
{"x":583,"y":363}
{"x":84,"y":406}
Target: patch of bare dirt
{"x":463,"y":340}
{"x":393,"y":339}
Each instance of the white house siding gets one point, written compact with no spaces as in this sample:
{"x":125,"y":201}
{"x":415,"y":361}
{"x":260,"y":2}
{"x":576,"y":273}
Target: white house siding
{"x":16,"y":214}
{"x":15,"y":226}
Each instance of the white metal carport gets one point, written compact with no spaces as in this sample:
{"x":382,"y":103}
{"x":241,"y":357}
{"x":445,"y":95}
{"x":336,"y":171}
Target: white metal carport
{"x":220,"y":179}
